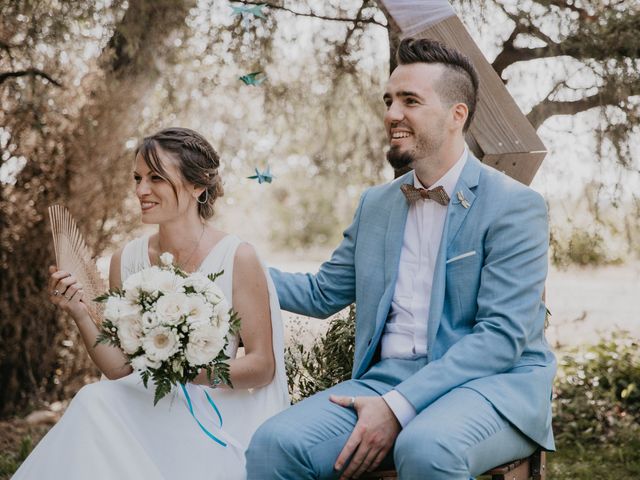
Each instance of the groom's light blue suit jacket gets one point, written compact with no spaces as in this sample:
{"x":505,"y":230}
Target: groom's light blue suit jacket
{"x":486,"y":319}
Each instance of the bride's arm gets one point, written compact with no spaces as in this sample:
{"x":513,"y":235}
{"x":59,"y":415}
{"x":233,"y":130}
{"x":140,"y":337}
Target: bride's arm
{"x":251,"y":300}
{"x":109,"y":359}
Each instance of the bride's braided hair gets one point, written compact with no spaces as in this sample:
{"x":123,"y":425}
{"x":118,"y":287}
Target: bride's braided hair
{"x":198,"y":163}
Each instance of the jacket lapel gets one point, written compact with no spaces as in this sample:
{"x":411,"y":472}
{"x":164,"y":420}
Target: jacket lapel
{"x":395,"y":230}
{"x":462,"y":199}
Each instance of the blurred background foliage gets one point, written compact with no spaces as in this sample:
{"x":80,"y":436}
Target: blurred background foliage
{"x":82,"y":82}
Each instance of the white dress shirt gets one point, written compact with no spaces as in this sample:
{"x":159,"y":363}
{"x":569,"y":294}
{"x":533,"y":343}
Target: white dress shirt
{"x":405,"y":332}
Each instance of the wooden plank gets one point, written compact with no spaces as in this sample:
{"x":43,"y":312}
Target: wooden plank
{"x":519,"y":165}
{"x":500,"y":134}
{"x":499,"y":126}
{"x":521,"y":472}
{"x":539,"y":465}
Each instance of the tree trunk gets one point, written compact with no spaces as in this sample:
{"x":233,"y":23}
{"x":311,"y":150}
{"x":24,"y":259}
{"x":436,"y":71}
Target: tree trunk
{"x":83,"y":165}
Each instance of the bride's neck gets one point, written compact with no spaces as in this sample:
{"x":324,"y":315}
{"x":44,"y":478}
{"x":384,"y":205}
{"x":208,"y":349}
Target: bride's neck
{"x":180,"y":236}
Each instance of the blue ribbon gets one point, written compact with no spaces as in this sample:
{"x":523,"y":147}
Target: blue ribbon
{"x":211,"y":402}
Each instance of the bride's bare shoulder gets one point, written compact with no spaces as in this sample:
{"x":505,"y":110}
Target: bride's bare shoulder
{"x":246,"y":264}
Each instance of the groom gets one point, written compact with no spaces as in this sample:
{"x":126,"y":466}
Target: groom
{"x":452,"y":374}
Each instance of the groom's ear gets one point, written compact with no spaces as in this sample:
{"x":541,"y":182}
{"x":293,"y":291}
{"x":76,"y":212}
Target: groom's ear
{"x":459,"y":113}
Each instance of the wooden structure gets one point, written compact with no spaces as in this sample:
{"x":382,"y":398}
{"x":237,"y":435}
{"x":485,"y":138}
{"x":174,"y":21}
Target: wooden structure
{"x":500,"y":134}
{"x":531,"y":468}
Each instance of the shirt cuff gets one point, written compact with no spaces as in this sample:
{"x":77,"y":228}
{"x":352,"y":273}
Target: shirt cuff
{"x":400,"y":407}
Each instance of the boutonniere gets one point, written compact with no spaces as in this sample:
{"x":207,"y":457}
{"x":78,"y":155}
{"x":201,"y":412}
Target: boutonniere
{"x":463,"y":201}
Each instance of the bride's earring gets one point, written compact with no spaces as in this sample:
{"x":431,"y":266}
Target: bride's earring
{"x":206,"y":197}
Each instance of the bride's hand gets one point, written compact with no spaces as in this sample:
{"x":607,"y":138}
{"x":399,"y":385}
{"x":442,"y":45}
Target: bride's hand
{"x":65,"y":292}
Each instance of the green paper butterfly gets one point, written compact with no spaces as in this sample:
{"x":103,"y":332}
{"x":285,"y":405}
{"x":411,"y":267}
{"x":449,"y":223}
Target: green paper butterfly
{"x":254,"y":78}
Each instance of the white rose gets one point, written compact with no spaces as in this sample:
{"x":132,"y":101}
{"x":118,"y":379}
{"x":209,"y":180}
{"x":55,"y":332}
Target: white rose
{"x":130,"y":333}
{"x":214,"y":294}
{"x":132,"y":286}
{"x":199,"y":310}
{"x":163,"y":281}
{"x":149,"y":320}
{"x":205,"y":344}
{"x":171,"y":307}
{"x":166,"y":259}
{"x":221,"y":316}
{"x":160,"y":343}
{"x":152,"y":363}
{"x":118,"y":307}
{"x":151,"y":280}
{"x":198,"y":281}
{"x":132,"y":282}
{"x":139,"y":363}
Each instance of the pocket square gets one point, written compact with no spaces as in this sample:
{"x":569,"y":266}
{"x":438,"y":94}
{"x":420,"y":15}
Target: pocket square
{"x":460,"y":257}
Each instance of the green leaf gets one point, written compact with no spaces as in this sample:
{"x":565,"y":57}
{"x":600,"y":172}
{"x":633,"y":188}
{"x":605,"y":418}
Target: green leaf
{"x":163,"y":387}
{"x":145,"y":378}
{"x":234,"y":322}
{"x":213,"y":276}
{"x":112,"y":292}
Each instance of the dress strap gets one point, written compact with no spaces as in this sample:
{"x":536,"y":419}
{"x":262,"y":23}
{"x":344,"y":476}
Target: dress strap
{"x":229,"y":256}
{"x":221,"y":258}
{"x":135,"y":257}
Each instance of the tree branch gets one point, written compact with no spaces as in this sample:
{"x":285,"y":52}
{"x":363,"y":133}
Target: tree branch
{"x":343,"y":48}
{"x":6,"y":45}
{"x":33,"y":72}
{"x":563,"y":4}
{"x":548,"y":107}
{"x":314,"y":15}
{"x":511,"y":54}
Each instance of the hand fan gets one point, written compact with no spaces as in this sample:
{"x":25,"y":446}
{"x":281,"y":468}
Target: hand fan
{"x":73,"y":256}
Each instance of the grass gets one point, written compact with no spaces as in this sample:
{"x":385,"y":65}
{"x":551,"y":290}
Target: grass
{"x":602,"y":462}
{"x":10,"y":461}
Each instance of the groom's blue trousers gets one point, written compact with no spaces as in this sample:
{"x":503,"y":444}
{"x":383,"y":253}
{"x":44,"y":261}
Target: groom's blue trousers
{"x":457,"y":437}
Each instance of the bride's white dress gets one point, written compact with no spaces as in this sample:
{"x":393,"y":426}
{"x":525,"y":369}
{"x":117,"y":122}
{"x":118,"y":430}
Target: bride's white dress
{"x":111,"y":430}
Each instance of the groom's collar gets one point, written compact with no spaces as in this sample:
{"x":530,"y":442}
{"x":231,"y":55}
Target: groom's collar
{"x":470,"y":173}
{"x":449,"y":180}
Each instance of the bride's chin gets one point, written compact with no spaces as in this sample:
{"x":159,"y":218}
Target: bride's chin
{"x":147,"y":219}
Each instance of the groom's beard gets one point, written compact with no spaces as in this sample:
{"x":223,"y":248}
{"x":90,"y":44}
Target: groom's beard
{"x":398,"y":159}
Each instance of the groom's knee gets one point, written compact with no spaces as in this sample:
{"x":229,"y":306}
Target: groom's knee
{"x":420,"y":454}
{"x":273,"y":450}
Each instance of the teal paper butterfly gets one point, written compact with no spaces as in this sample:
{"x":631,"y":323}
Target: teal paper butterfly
{"x":254,"y":78}
{"x":247,"y":12}
{"x":263,"y":177}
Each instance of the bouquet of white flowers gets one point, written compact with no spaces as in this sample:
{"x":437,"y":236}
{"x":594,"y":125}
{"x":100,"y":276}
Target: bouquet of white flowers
{"x":170,"y":325}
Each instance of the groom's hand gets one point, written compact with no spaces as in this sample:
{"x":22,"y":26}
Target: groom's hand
{"x":372,"y":437}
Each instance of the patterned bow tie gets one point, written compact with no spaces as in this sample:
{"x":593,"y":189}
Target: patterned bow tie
{"x":414,"y":194}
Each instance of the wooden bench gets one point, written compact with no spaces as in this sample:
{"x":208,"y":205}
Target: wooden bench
{"x":530,"y":468}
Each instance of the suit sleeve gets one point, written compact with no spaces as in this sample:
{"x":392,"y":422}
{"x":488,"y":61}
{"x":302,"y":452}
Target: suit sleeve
{"x":509,"y":304}
{"x":332,"y":288}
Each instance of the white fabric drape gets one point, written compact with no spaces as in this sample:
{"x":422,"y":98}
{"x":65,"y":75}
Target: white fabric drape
{"x":415,"y":16}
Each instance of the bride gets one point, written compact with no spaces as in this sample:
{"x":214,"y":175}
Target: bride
{"x":111,"y":428}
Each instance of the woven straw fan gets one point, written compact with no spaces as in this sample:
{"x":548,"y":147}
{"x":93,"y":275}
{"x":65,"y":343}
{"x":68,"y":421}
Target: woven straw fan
{"x":73,"y":256}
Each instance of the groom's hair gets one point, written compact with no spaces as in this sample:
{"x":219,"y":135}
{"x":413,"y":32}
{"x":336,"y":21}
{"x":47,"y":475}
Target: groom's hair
{"x":459,"y":82}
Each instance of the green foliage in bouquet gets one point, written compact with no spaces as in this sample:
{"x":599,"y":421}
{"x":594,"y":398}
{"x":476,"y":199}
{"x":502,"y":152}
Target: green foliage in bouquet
{"x":329,"y":360}
{"x":176,"y":369}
